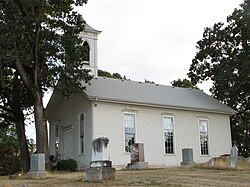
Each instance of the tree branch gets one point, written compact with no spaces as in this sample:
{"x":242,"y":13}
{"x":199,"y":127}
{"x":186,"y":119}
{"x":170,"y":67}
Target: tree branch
{"x":26,"y":80}
{"x":36,"y":47}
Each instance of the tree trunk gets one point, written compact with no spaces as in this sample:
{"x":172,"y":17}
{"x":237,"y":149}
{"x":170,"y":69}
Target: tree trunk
{"x":34,"y":86}
{"x":24,"y":149}
{"x":41,"y":127}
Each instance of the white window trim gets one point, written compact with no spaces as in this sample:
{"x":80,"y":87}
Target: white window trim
{"x":208,"y":131}
{"x":163,"y":135}
{"x":90,"y":49}
{"x":123,"y":115}
{"x":59,"y":130}
{"x":84,"y":130}
{"x":59,"y":135}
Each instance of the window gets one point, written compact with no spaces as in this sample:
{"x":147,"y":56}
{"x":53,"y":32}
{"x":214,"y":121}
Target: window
{"x":86,"y":56}
{"x":169,"y":134}
{"x":57,"y":133}
{"x":129,"y":125}
{"x":82,"y":134}
{"x":203,"y":125}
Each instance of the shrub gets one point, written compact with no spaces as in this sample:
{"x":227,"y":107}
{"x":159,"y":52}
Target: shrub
{"x":67,"y":165}
{"x":9,"y":151}
{"x":9,"y":164}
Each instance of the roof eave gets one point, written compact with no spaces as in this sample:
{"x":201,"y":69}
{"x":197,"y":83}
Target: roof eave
{"x":94,"y":98}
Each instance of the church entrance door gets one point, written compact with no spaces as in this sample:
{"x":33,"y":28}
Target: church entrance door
{"x":68,"y":144}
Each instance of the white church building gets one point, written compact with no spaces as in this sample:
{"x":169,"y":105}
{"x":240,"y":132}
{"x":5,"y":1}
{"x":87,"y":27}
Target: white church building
{"x":165,"y":119}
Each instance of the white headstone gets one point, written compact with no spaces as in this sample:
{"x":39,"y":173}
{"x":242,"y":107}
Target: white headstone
{"x":37,"y":162}
{"x":100,"y":149}
{"x":100,"y":167}
{"x":37,"y":166}
{"x":234,"y":157}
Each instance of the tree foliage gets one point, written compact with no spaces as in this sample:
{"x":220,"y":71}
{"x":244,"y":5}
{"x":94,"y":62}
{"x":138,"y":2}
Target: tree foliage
{"x":110,"y":75}
{"x":40,"y":41}
{"x":148,"y":81}
{"x":9,"y":149}
{"x":14,"y":99}
{"x":224,"y":57}
{"x":185,"y":83}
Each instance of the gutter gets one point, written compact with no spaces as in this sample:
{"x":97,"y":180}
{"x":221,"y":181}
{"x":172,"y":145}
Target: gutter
{"x":160,"y":106}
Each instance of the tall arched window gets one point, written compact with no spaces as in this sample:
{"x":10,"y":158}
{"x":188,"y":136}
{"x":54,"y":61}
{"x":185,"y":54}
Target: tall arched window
{"x":86,"y":55}
{"x":57,"y":139}
{"x":129,"y":129}
{"x":82,"y":133}
{"x":203,"y":123}
{"x":168,"y":125}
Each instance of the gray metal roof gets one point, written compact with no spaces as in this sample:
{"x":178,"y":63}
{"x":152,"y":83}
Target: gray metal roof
{"x":116,"y":90}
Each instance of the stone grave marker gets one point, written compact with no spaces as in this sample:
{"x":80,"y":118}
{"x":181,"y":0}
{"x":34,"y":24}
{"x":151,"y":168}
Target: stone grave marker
{"x":37,"y":166}
{"x":234,"y":157}
{"x":100,"y":167}
{"x":137,"y":157}
{"x":187,"y":157}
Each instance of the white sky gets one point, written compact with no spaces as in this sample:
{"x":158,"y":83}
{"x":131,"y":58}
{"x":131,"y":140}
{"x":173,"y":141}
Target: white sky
{"x":153,"y":40}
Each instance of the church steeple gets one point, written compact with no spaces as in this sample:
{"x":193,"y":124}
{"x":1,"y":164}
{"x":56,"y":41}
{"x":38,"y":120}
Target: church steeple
{"x":90,"y":37}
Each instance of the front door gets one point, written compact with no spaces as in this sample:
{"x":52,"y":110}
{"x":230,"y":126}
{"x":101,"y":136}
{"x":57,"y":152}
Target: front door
{"x":68,"y":144}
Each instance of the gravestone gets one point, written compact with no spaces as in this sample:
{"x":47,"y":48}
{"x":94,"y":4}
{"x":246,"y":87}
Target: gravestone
{"x":137,"y":157}
{"x":100,"y":153}
{"x":37,"y":166}
{"x":234,"y":157}
{"x":187,"y":157}
{"x":100,"y":167}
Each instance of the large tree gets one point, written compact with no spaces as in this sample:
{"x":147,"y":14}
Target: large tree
{"x":224,"y":57}
{"x":40,"y":40}
{"x":14,"y":99}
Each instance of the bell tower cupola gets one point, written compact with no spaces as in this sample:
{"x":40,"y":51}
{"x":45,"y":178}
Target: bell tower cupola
{"x":90,"y":37}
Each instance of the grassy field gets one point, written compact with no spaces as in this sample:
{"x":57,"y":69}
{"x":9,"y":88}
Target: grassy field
{"x":176,"y":176}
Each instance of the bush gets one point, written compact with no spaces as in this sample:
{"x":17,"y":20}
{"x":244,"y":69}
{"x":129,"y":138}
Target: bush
{"x":9,"y":164}
{"x":9,"y":151}
{"x":67,"y":165}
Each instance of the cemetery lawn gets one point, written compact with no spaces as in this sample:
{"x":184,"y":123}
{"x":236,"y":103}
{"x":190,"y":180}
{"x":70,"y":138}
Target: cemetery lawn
{"x":175,"y":176}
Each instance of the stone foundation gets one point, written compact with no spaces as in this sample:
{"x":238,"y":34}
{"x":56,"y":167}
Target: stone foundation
{"x":37,"y":174}
{"x":100,"y":174}
{"x":138,"y":165}
{"x":188,"y":163}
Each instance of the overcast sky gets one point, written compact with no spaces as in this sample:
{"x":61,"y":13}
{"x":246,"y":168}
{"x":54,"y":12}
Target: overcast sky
{"x":153,"y":40}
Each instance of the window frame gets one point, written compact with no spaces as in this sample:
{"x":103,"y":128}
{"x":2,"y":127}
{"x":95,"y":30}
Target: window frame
{"x":87,"y":62}
{"x":208,"y":137}
{"x":124,"y":132}
{"x":174,"y":136}
{"x":57,"y":137}
{"x":84,"y":133}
